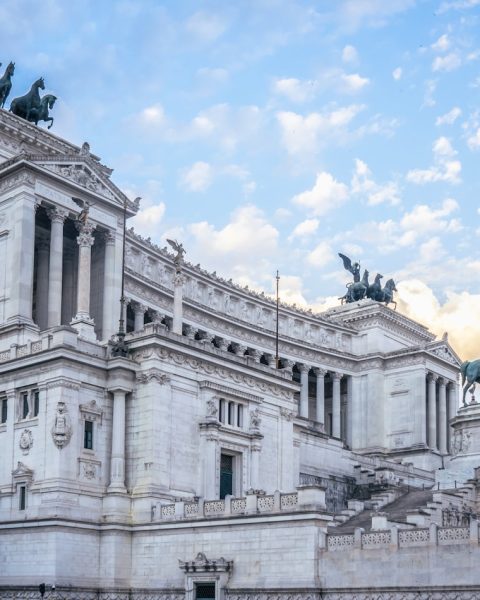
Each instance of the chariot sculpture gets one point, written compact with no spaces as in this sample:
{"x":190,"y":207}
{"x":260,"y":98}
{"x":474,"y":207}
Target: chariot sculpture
{"x":361,"y":288}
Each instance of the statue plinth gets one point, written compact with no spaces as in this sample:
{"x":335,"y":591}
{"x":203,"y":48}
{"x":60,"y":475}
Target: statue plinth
{"x":465,"y":442}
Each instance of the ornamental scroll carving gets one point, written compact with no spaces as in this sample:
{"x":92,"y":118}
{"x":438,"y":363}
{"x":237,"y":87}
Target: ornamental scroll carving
{"x":62,"y":427}
{"x":153,"y":375}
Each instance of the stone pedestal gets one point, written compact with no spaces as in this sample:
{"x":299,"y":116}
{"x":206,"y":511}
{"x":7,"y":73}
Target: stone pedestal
{"x":465,"y":443}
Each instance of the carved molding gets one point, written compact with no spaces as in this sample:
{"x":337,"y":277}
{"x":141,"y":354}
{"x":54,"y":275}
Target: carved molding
{"x":26,"y":441}
{"x":153,"y":375}
{"x":202,"y":564}
{"x":62,"y":427}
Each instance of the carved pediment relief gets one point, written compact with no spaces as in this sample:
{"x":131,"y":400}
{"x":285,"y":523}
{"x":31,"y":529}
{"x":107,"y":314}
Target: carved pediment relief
{"x":444,"y":352}
{"x":22,"y":472}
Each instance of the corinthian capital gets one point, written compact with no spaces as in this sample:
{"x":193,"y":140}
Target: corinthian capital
{"x":57,"y":215}
{"x":85,"y":231}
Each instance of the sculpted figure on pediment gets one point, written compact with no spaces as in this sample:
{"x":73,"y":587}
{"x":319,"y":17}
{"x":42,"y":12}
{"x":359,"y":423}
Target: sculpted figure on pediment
{"x":146,"y":266}
{"x":129,"y":257}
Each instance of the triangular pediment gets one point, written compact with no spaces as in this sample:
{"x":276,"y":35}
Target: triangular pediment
{"x":444,"y":351}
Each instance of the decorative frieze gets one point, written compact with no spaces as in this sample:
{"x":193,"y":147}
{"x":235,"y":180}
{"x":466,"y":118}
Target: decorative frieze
{"x":62,"y":427}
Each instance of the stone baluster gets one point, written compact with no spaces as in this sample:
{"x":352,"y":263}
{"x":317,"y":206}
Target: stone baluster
{"x":189,"y":331}
{"x":222,"y":344}
{"x":336,"y":407}
{"x":110,"y":292}
{"x":82,"y":321}
{"x":303,"y":412}
{"x":320,"y":395}
{"x":57,"y":217}
{"x":43,"y":250}
{"x":270,"y":358}
{"x":432,"y":411}
{"x":442,"y":416}
{"x":239,"y":349}
{"x":254,"y":354}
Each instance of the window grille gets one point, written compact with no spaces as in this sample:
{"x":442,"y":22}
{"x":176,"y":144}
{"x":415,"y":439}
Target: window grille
{"x":22,"y":500}
{"x":205,"y":590}
{"x":226,"y":475}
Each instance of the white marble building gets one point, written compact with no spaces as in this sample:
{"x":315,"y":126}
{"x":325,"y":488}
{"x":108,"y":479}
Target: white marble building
{"x":194,"y":468}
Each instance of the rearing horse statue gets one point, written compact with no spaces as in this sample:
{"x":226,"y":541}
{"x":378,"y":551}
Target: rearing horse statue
{"x":6,"y":83}
{"x":23,"y":105}
{"x":41,"y":113}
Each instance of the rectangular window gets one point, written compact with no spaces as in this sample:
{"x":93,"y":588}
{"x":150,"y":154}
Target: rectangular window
{"x":22,"y":500}
{"x":36,"y":402}
{"x":231,"y":410}
{"x":221,"y":411}
{"x":88,"y":435}
{"x":25,"y":405}
{"x":240,"y":416}
{"x":226,"y":475}
{"x":4,"y":409}
{"x":205,"y":590}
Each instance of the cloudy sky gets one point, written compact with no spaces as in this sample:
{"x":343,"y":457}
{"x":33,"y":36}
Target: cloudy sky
{"x":271,"y":134}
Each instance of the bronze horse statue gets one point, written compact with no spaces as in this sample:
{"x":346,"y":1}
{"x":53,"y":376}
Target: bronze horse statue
{"x":470,"y":376}
{"x":374,"y":291}
{"x":41,"y":113}
{"x":23,"y":105}
{"x":6,"y":83}
{"x":386,"y":295}
{"x":357,"y":290}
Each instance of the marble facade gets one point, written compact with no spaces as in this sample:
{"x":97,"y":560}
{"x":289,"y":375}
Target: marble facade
{"x":142,"y":476}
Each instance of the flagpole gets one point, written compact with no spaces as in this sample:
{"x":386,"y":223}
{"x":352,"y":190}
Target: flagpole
{"x":277,"y":360}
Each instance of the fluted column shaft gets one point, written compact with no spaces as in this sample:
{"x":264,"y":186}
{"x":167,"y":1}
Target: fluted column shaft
{"x":57,"y":217}
{"x":117,"y":468}
{"x":178,"y":282}
{"x":43,"y":250}
{"x":452,"y":410}
{"x":303,"y":390}
{"x":85,"y":242}
{"x":336,"y":405}
{"x":432,"y":412}
{"x":320,"y":396}
{"x":110,"y":302}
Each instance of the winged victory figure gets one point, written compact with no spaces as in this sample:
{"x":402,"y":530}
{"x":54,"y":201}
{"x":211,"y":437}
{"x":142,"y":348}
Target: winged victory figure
{"x":353,"y":268}
{"x":179,"y":249}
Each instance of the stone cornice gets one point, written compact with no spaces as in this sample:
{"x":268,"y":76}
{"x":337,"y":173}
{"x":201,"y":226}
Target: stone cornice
{"x":234,"y":392}
{"x":228,"y":286}
{"x":367,"y":313}
{"x":229,"y":369}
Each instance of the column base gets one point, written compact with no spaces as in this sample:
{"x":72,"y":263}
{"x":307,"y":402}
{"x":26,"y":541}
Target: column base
{"x":116,"y":505}
{"x":85,"y":327}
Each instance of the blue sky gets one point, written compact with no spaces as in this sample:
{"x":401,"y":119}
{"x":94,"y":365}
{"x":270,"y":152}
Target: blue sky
{"x":275,"y":133}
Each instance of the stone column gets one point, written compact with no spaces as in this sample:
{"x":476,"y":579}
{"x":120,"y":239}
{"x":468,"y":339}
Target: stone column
{"x":320,"y":395}
{"x":178,"y":281}
{"x":336,"y":405}
{"x":57,"y":216}
{"x":111,"y":303}
{"x":82,"y":321}
{"x":452,"y":410}
{"x":442,"y":416}
{"x":255,"y":465}
{"x":303,"y":412}
{"x":139,"y":314}
{"x":287,"y":365}
{"x":43,"y":248}
{"x":432,"y":411}
{"x":21,"y":259}
{"x":68,"y":291}
{"x":210,"y":489}
{"x":349,"y":413}
{"x":117,"y":465}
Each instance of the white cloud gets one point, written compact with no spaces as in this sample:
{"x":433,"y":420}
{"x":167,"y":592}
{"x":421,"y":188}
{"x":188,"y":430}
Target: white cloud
{"x":418,"y":301}
{"x":300,"y":91}
{"x":305,"y":229}
{"x":473,"y":140}
{"x":321,"y":255}
{"x":146,"y":222}
{"x":442,"y":44}
{"x":244,"y":248}
{"x":430,"y":88}
{"x":294,"y":89}
{"x":354,"y":14}
{"x":197,"y":178}
{"x":450,"y":117}
{"x":327,"y":194}
{"x":458,"y":5}
{"x":302,"y":134}
{"x":425,"y":220}
{"x":445,"y":168}
{"x":207,"y":27}
{"x":152,"y":116}
{"x":363,"y":184}
{"x":349,"y":54}
{"x":450,"y":62}
{"x":212,"y":75}
{"x":397,"y":73}
{"x":282,"y":214}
